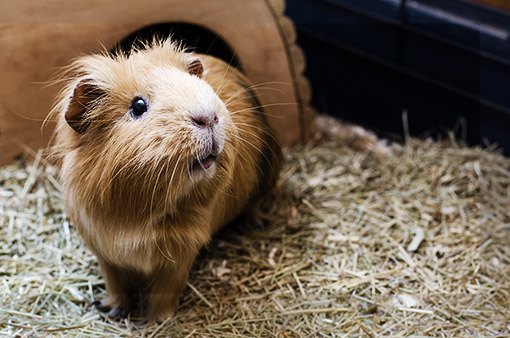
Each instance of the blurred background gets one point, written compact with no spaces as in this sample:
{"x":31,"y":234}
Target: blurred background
{"x":445,"y":62}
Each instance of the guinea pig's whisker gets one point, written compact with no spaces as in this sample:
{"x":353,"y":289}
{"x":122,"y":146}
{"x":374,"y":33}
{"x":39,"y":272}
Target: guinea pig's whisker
{"x":262,"y":130}
{"x":256,"y":86}
{"x":197,"y":156}
{"x":261,"y":152}
{"x":268,"y":83}
{"x":189,"y":167}
{"x":249,"y":90}
{"x":233,"y":70}
{"x":241,"y":163}
{"x":267,"y":146}
{"x":175,"y":168}
{"x":254,"y":135}
{"x":154,"y":190}
{"x":166,"y":254}
{"x":254,"y":108}
{"x":117,"y":174}
{"x":169,"y":186}
{"x":247,"y":142}
{"x":167,"y":165}
{"x":229,"y":66}
{"x":154,"y":163}
{"x":241,"y":99}
{"x":236,"y":94}
{"x":259,"y":85}
{"x":189,"y":170}
{"x":144,"y":157}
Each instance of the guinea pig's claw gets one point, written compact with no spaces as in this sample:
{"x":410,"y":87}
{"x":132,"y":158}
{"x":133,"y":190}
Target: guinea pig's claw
{"x":100,"y":305}
{"x":117,"y":313}
{"x":95,"y":303}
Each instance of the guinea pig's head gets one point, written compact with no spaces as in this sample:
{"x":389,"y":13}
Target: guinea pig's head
{"x":145,"y":131}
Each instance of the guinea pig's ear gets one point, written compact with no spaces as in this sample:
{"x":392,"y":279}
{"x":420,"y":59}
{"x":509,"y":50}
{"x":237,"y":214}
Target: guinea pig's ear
{"x":195,"y":67}
{"x":84,"y":95}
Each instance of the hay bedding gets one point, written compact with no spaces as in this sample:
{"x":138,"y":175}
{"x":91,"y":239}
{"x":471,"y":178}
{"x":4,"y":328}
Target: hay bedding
{"x":412,"y":244}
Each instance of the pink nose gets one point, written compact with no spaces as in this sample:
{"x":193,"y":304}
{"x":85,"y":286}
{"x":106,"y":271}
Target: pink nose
{"x":202,"y":120}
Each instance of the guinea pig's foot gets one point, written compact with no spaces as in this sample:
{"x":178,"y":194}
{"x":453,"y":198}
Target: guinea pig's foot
{"x":113,"y":312}
{"x":101,"y":305}
{"x":118,"y":313}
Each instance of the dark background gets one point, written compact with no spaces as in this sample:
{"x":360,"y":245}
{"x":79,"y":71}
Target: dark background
{"x":445,"y":62}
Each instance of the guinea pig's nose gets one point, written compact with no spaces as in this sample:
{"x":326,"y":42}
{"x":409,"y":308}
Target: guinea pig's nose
{"x":205,"y":120}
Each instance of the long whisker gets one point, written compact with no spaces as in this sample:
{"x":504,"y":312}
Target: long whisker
{"x":257,"y":85}
{"x":154,"y":191}
{"x":165,"y":255}
{"x":251,"y":144}
{"x":233,"y":69}
{"x":117,"y":174}
{"x":250,"y":89}
{"x":264,"y":106}
{"x":260,"y":129}
{"x":243,"y":98}
{"x":166,"y":190}
{"x":229,"y":66}
{"x":273,"y":153}
{"x":169,"y":187}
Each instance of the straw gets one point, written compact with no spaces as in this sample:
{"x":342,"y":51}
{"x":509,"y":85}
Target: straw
{"x":416,"y":243}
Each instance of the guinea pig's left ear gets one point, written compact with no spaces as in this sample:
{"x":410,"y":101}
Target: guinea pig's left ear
{"x":84,"y":97}
{"x":195,"y":67}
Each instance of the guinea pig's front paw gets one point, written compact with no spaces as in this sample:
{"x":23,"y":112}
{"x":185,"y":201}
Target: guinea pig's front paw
{"x":101,"y":305}
{"x":118,"y":313}
{"x":112,"y":311}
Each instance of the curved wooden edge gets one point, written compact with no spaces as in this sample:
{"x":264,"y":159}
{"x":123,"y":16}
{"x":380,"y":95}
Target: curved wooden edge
{"x":297,"y":63}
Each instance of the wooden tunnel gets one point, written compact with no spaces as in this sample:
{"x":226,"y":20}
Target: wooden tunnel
{"x":39,"y":37}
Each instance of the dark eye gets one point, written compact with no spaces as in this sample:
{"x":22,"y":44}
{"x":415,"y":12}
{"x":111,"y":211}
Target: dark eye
{"x":138,"y":107}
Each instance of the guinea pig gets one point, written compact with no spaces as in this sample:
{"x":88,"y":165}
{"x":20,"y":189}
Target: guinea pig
{"x":158,"y":149}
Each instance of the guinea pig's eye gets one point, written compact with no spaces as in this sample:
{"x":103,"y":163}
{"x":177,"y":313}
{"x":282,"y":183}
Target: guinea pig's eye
{"x":138,"y":107}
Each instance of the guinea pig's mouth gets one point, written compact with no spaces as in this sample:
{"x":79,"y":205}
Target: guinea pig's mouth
{"x":205,"y":162}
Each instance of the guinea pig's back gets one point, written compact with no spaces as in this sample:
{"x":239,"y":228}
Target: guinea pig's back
{"x":259,"y":154}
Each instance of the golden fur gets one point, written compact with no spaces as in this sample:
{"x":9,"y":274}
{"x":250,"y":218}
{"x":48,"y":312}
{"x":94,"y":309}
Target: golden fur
{"x":130,"y":185}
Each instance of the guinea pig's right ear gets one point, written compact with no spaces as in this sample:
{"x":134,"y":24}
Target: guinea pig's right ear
{"x":195,"y":67}
{"x":84,"y":96}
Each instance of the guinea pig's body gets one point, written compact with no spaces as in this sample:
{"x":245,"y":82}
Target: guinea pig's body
{"x":158,"y":150}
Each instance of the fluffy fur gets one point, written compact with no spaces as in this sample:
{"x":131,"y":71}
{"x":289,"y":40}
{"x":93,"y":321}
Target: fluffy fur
{"x":132,"y":186}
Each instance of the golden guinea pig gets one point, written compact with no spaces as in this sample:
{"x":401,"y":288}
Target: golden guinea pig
{"x":158,"y":150}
